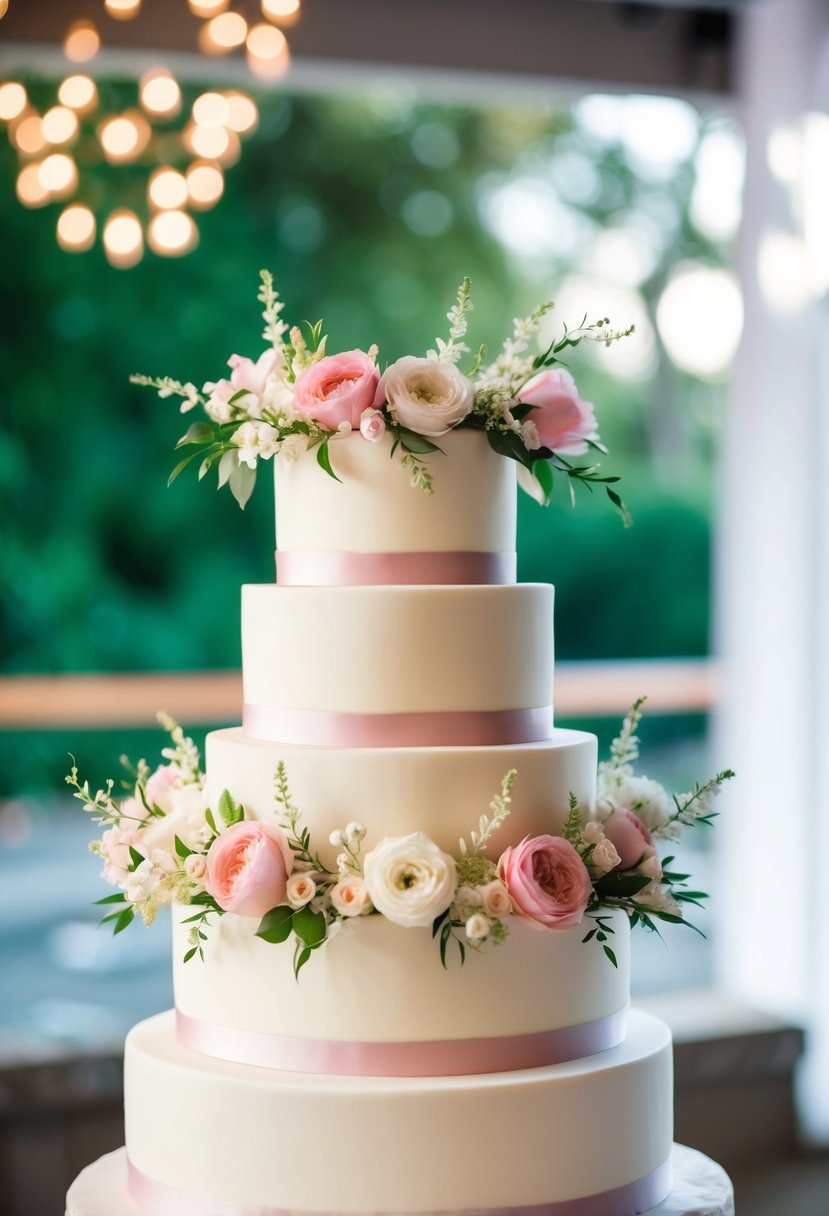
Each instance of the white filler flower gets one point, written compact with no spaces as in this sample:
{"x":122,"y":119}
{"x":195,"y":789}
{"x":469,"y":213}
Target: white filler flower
{"x":409,"y":879}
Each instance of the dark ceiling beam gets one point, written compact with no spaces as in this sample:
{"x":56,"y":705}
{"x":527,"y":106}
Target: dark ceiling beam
{"x":618,"y":45}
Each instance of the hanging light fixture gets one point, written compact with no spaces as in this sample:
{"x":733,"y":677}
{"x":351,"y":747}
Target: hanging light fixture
{"x":183,"y":157}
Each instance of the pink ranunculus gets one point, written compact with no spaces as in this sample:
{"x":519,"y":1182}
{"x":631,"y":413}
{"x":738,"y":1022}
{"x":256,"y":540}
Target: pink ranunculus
{"x":247,"y":868}
{"x":547,"y":881}
{"x":563,"y":421}
{"x":337,"y":389}
{"x":629,"y":835}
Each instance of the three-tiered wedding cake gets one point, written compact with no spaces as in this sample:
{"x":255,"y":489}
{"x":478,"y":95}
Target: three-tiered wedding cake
{"x":398,"y":671}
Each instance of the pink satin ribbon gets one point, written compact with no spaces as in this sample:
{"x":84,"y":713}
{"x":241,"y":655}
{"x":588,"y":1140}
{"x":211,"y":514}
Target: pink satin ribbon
{"x":432,"y":1058}
{"x":324,"y":568}
{"x":461,"y":728}
{"x":627,"y":1200}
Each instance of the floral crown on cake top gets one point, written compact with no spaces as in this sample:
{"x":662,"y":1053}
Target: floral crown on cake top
{"x":163,"y":844}
{"x":296,"y":397}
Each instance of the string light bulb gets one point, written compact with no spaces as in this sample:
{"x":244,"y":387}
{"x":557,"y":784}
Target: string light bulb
{"x":76,"y":229}
{"x":82,"y":41}
{"x":123,"y":239}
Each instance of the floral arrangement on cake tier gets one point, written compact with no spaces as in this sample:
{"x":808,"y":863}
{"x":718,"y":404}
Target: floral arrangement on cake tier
{"x":164,"y":844}
{"x":297,"y":397}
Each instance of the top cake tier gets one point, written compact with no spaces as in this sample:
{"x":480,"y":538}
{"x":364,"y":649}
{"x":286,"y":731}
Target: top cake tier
{"x":373,"y":527}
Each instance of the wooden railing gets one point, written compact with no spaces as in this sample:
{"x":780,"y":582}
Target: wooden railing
{"x":583,"y":690}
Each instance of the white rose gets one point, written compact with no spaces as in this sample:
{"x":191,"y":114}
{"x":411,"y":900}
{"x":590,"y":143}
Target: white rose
{"x":605,"y":856}
{"x":477,"y":927}
{"x":195,"y":867}
{"x":646,"y":798}
{"x":349,"y":896}
{"x":409,"y":879}
{"x":426,"y":396}
{"x":300,"y":889}
{"x":592,"y":832}
{"x":495,"y":899}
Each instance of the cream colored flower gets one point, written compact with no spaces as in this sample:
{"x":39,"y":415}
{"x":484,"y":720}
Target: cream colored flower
{"x":495,"y":899}
{"x":300,"y":889}
{"x":477,"y":927}
{"x":605,"y":856}
{"x":426,"y":396}
{"x":349,"y":896}
{"x":409,"y":879}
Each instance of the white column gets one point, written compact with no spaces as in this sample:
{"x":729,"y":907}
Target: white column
{"x":773,"y":554}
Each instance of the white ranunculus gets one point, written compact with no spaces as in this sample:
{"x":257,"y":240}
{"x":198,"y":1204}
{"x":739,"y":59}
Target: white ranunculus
{"x":646,"y":798}
{"x":426,"y":396}
{"x":409,"y":879}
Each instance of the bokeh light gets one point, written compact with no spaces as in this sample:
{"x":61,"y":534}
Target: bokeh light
{"x":700,"y":319}
{"x":211,"y":110}
{"x":160,"y":94}
{"x":82,"y":41}
{"x":60,"y":125}
{"x":167,"y":189}
{"x":242,"y":114}
{"x":172,"y":233}
{"x":267,"y":51}
{"x":79,"y":93}
{"x":58,"y":175}
{"x":205,"y":184}
{"x":27,"y":135}
{"x":124,"y":136}
{"x":13,"y":100}
{"x":122,"y":10}
{"x":76,"y":229}
{"x":208,"y":8}
{"x":123,"y":239}
{"x":284,"y":12}
{"x":29,"y":188}
{"x":223,"y":34}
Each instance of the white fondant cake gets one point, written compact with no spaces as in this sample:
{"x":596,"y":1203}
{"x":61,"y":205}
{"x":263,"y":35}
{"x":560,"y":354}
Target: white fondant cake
{"x":378,"y":1080}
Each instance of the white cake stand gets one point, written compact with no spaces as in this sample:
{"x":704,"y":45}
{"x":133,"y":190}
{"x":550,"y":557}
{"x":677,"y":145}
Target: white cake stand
{"x":701,"y":1188}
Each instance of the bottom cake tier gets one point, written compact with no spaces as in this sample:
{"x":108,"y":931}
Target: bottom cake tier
{"x":209,"y":1137}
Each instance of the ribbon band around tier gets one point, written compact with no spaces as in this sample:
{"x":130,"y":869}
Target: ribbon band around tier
{"x":450,"y":728}
{"x":429,"y":1058}
{"x":336,"y":568}
{"x":637,"y":1196}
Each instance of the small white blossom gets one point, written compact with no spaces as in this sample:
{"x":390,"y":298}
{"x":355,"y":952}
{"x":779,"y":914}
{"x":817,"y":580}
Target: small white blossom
{"x":477,"y":927}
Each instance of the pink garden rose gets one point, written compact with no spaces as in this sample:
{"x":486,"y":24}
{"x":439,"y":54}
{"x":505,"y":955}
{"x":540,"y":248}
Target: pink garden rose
{"x":337,"y":389}
{"x":248,"y":867}
{"x":547,"y":881}
{"x":562,"y":420}
{"x":629,"y":835}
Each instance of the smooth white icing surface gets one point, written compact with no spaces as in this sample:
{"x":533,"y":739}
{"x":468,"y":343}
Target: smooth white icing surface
{"x":315,"y":1143}
{"x":442,"y":791}
{"x":375,"y":509}
{"x":387,"y":650}
{"x":377,"y":982}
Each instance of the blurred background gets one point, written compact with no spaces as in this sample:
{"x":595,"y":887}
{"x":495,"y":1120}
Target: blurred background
{"x":626,"y":160}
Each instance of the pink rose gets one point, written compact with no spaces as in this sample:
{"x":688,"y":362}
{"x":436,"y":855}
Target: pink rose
{"x":247,"y":868}
{"x":337,"y":389}
{"x":629,"y":835}
{"x":246,"y":376}
{"x":562,"y":420}
{"x":547,"y":881}
{"x":372,"y":425}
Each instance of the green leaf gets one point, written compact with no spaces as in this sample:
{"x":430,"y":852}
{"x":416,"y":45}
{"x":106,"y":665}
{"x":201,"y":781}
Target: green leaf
{"x":241,"y":482}
{"x":182,"y":464}
{"x":412,"y":442}
{"x":181,"y":848}
{"x":112,"y":899}
{"x":507,"y":443}
{"x":627,"y":518}
{"x":211,"y":822}
{"x":199,"y":432}
{"x":136,"y":858}
{"x":309,"y":926}
{"x":324,"y":460}
{"x":592,"y":933}
{"x":230,"y":811}
{"x":436,"y":924}
{"x":621,"y":885}
{"x":300,"y":959}
{"x":193,"y":950}
{"x":542,"y":470}
{"x":126,"y":918}
{"x":609,"y":954}
{"x":275,"y":926}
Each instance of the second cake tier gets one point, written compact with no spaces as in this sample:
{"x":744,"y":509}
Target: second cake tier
{"x":398,"y":666}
